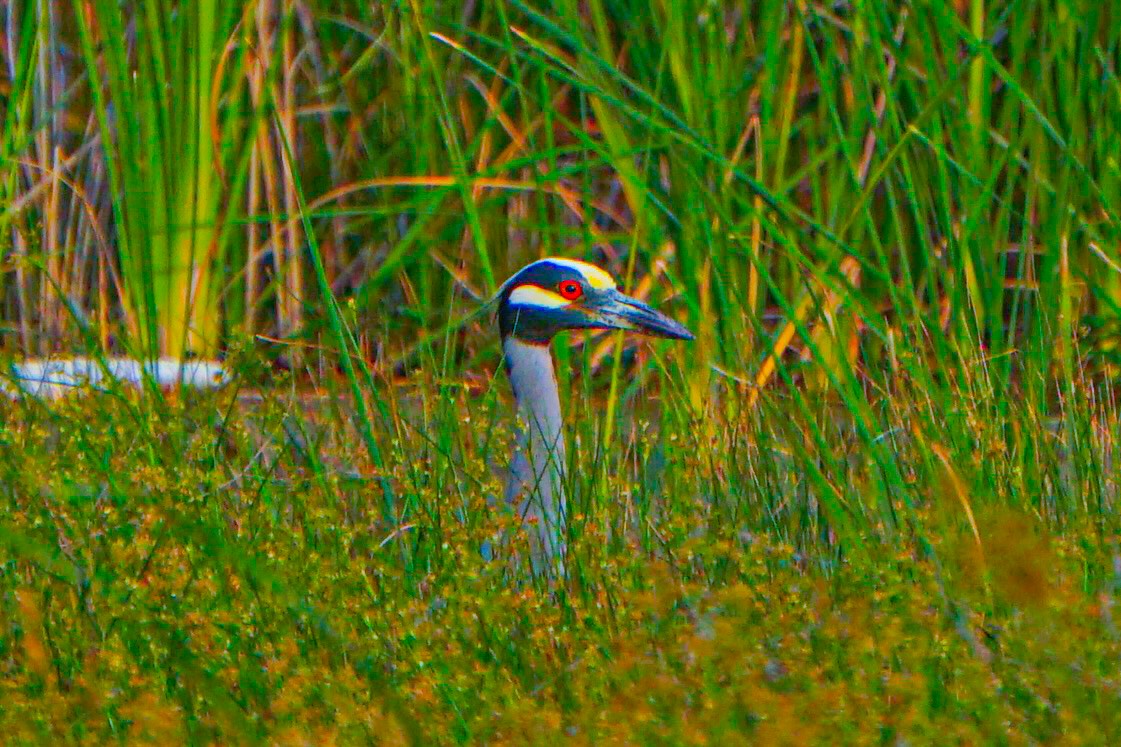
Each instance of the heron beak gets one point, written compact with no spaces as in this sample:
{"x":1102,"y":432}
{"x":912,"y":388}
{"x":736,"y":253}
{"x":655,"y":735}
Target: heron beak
{"x":624,"y":312}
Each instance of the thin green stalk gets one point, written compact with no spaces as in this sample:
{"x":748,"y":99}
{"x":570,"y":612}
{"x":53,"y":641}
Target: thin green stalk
{"x":344,"y":339}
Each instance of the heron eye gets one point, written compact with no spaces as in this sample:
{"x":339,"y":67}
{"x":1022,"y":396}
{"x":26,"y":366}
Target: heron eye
{"x":570,"y":289}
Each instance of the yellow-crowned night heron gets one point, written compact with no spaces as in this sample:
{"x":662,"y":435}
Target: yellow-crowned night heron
{"x":540,"y":300}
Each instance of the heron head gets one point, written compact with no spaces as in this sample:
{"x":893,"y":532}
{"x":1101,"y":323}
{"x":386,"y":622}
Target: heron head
{"x":551,"y":295}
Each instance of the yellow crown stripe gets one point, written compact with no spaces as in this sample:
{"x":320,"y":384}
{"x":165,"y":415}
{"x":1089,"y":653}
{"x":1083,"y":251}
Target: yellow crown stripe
{"x":535,"y":295}
{"x":594,"y":276}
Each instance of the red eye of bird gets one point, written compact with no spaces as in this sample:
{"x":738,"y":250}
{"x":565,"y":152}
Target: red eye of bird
{"x":570,"y":289}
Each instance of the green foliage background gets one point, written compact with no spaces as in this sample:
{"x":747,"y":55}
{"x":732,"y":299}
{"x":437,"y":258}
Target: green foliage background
{"x":874,"y":501}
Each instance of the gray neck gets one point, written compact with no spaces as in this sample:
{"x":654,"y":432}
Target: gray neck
{"x":537,"y":469}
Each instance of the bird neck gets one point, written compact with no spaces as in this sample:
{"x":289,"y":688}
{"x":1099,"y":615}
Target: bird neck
{"x":530,"y":367}
{"x":537,"y":470}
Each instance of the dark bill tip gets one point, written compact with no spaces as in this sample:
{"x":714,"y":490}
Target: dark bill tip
{"x":639,"y":317}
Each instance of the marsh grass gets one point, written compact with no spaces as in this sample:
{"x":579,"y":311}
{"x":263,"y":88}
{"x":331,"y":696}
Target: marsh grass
{"x":208,"y":569}
{"x":874,"y":501}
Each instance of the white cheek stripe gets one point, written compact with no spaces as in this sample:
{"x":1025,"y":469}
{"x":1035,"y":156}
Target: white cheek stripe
{"x":532,"y":295}
{"x":594,"y":276}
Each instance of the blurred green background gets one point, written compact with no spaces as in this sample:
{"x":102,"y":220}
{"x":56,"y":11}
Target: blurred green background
{"x":873,"y":502}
